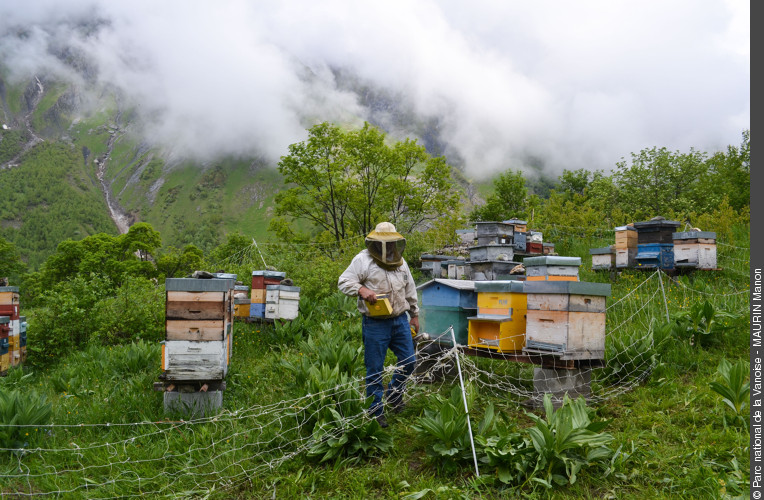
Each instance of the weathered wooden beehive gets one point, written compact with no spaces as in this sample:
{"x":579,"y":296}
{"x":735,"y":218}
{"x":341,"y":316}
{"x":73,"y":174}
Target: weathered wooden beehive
{"x":488,"y":270}
{"x":261,"y":279}
{"x":432,"y":265}
{"x":199,"y":314}
{"x":566,"y":319}
{"x":518,"y":225}
{"x":500,"y":321}
{"x":625,"y":246}
{"x":492,"y":252}
{"x":447,"y":302}
{"x":656,"y":230}
{"x":489,"y":233}
{"x":695,"y":249}
{"x":548,"y":248}
{"x":551,"y":268}
{"x":241,"y":301}
{"x":602,"y":258}
{"x":521,"y":241}
{"x":282,"y":302}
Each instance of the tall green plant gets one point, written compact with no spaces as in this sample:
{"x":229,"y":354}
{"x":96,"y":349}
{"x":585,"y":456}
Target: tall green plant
{"x":734,"y":389}
{"x":24,"y":409}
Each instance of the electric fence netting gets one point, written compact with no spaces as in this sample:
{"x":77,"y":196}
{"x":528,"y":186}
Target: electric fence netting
{"x":228,"y":450}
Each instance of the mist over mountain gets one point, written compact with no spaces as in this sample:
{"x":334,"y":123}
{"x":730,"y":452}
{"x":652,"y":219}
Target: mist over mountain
{"x":489,"y":84}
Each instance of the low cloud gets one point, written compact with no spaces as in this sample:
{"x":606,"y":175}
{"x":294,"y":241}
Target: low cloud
{"x":573,"y":84}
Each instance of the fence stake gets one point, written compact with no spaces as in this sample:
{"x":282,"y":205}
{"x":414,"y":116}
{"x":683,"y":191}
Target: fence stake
{"x":464,"y":398}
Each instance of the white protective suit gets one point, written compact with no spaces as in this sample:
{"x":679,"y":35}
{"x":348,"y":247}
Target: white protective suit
{"x":397,"y":284}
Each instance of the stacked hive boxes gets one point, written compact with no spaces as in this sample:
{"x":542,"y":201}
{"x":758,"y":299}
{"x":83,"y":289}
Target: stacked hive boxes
{"x":655,"y":244}
{"x":261,"y":279}
{"x":535,"y":243}
{"x":447,"y":302}
{"x":5,"y":357}
{"x":603,"y":258}
{"x":433,"y":265}
{"x":23,"y":337}
{"x":241,"y":301}
{"x":552,"y":268}
{"x":548,"y":248}
{"x":494,"y":252}
{"x":696,"y":249}
{"x":9,"y":306}
{"x":500,"y":320}
{"x":199,"y":339}
{"x":625,"y":246}
{"x":566,"y":319}
{"x":282,"y":302}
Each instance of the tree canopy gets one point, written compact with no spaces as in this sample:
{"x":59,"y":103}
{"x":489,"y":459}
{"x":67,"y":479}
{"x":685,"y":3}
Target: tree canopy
{"x":344,"y":182}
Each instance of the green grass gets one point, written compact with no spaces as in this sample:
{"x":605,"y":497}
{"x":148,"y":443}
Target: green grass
{"x":671,"y":425}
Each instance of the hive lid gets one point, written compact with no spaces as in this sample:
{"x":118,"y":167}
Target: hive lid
{"x":551,"y":260}
{"x":428,"y":256}
{"x":9,"y":289}
{"x":244,"y":300}
{"x":500,"y":318}
{"x":548,"y":244}
{"x":500,"y":286}
{"x":283,"y":288}
{"x":241,"y":287}
{"x":269,"y":274}
{"x":198,"y":285}
{"x":570,"y":287}
{"x":516,"y":221}
{"x":601,"y":251}
{"x":464,"y":231}
{"x":456,"y":262}
{"x":226,"y":276}
{"x":625,"y":228}
{"x":458,"y":284}
{"x":691,"y":235}
{"x":657,"y":223}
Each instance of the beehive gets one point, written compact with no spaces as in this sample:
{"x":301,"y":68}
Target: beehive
{"x":492,"y":252}
{"x":695,"y":249}
{"x":552,"y":268}
{"x":282,"y":302}
{"x":625,"y":257}
{"x":534,"y":247}
{"x":467,"y":236}
{"x":5,"y":357}
{"x":500,"y":322}
{"x":241,"y":308}
{"x":602,"y":258}
{"x":625,"y":237}
{"x":260,"y":279}
{"x":548,"y":248}
{"x":432,"y":264}
{"x":655,"y":255}
{"x":487,"y":270}
{"x":199,"y":314}
{"x":5,"y":327}
{"x":447,"y":302}
{"x":518,"y":225}
{"x":656,"y":230}
{"x":9,"y":295}
{"x":492,"y":229}
{"x":566,"y":319}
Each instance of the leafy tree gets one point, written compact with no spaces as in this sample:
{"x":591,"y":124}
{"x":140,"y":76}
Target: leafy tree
{"x":142,"y":239}
{"x":507,"y":201}
{"x":729,"y":174}
{"x":175,"y":263}
{"x":343,"y":183}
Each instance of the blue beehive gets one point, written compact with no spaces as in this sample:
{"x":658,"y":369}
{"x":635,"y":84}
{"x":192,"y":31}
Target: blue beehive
{"x":449,"y":293}
{"x":257,"y":310}
{"x":447,"y":303}
{"x":655,"y":256}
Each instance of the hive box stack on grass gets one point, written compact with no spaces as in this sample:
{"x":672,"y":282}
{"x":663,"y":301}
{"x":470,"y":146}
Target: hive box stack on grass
{"x":695,"y":249}
{"x":552,"y":268}
{"x":603,"y":259}
{"x":199,"y":315}
{"x":494,"y":233}
{"x":444,"y":303}
{"x":282,"y":302}
{"x":625,"y":246}
{"x":566,"y":319}
{"x":9,"y":306}
{"x":655,"y":243}
{"x":433,"y":265}
{"x":655,"y":256}
{"x":261,"y":279}
{"x":241,"y":302}
{"x":500,"y":321}
{"x":5,"y":358}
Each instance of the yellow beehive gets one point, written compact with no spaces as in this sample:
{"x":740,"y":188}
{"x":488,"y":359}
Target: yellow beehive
{"x":381,"y":307}
{"x":241,"y":310}
{"x":501,"y":302}
{"x":258,"y":296}
{"x":5,"y":361}
{"x":9,"y":298}
{"x":500,"y":323}
{"x":503,"y":335}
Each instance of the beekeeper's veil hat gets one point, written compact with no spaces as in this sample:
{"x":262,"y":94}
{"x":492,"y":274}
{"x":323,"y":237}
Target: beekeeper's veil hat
{"x":386,"y":245}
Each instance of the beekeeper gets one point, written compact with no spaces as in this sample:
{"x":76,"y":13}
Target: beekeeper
{"x":381,"y":270}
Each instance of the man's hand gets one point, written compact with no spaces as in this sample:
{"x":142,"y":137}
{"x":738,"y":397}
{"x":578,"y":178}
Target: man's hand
{"x":367,"y":295}
{"x":414,"y":322}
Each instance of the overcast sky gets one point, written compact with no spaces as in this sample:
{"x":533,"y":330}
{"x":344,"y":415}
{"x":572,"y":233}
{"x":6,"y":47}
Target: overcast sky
{"x":576,"y":84}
